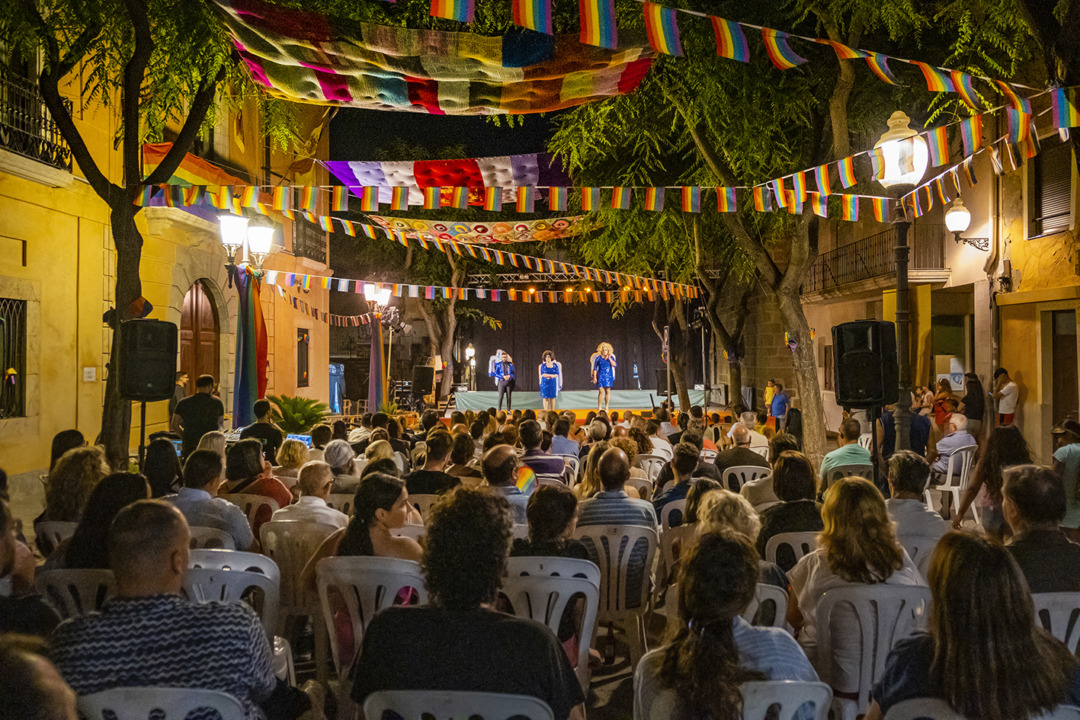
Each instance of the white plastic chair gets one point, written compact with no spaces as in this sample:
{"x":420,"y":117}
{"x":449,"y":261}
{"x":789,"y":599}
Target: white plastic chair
{"x":73,"y":593}
{"x":402,"y":461}
{"x":1059,"y":614}
{"x":611,"y":548}
{"x":550,"y":479}
{"x":643,"y":485}
{"x":540,"y":588}
{"x":707,"y":456}
{"x":957,"y":476}
{"x":934,"y":709}
{"x":423,"y":502}
{"x":251,"y":504}
{"x":668,"y":510}
{"x":208,"y":537}
{"x":788,"y":695}
{"x":165,"y":703}
{"x":651,"y":464}
{"x":920,"y":548}
{"x":743,"y":474}
{"x":762,"y":450}
{"x":54,"y":532}
{"x":573,"y":462}
{"x":341,"y":502}
{"x":843,"y":471}
{"x":418,"y":704}
{"x":884,"y":614}
{"x":801,"y":543}
{"x":866,"y":441}
{"x":768,"y":593}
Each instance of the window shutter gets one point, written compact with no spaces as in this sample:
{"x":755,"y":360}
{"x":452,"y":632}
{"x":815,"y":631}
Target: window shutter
{"x":1053,"y":190}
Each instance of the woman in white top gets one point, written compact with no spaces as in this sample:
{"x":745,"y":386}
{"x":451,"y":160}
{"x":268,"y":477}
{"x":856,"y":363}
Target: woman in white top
{"x":857,"y":547}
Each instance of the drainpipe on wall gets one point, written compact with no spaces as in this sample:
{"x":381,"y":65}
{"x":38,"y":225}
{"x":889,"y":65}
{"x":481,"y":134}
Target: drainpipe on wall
{"x":992,"y":268}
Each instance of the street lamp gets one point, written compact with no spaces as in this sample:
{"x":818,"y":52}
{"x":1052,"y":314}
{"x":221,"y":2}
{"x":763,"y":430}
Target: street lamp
{"x":260,"y":238}
{"x":906,"y":157}
{"x":957,"y":220}
{"x":379,"y":296}
{"x":470,"y":358}
{"x":234,"y":230}
{"x":237,"y":231}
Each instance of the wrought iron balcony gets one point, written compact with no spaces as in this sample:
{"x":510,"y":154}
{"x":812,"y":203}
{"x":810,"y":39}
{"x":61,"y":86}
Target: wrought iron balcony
{"x":308,"y":241}
{"x":26,"y":127}
{"x":875,"y":256}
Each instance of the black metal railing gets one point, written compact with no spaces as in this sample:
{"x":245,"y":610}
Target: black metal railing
{"x":875,"y":256}
{"x":12,"y":357}
{"x":308,"y":241}
{"x":26,"y":127}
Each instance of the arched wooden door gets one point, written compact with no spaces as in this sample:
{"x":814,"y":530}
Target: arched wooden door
{"x":198,"y":335}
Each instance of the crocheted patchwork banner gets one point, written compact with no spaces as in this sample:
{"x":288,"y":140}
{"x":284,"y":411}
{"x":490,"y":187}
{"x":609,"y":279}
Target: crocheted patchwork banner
{"x":496,"y":232}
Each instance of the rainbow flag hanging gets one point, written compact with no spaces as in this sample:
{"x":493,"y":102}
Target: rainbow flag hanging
{"x":843,"y":52}
{"x":459,"y":198}
{"x":798,"y":182}
{"x":761,"y":199}
{"x":1065,"y":110}
{"x":460,"y":10}
{"x":493,"y":199}
{"x":620,"y":197}
{"x":725,"y":199}
{"x":971,"y":134}
{"x":654,"y":199}
{"x":533,"y":14}
{"x":249,"y":198}
{"x":879,"y":65}
{"x":308,"y":198}
{"x":557,"y":197}
{"x":526,"y":199}
{"x":369,"y":199}
{"x":146,"y":192}
{"x":1019,"y":125}
{"x":590,"y":199}
{"x":221,"y":198}
{"x":350,"y":229}
{"x":1015,"y":102}
{"x":963,"y":84}
{"x":967,"y":167}
{"x":819,"y":204}
{"x":730,"y":40}
{"x":936,"y":81}
{"x":881,"y":208}
{"x":282,"y":198}
{"x":662,"y":28}
{"x":939,"y":188}
{"x":780,"y":53}
{"x":849,"y":205}
{"x":194,"y":195}
{"x":432,"y":195}
{"x":877,"y":163}
{"x":598,"y":23}
{"x":326,"y":223}
{"x":777,"y":187}
{"x":794,"y":204}
{"x":339,"y":199}
{"x":846,"y":168}
{"x":369,"y":230}
{"x":937,"y":143}
{"x":821,"y":176}
{"x":691,"y":199}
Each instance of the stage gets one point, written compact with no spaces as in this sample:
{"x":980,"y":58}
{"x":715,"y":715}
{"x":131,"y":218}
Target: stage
{"x":572,"y":399}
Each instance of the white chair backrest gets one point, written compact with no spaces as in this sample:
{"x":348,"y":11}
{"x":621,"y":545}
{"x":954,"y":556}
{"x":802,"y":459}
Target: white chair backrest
{"x":402,"y":461}
{"x":221,"y":579}
{"x":160,"y":703}
{"x":643,"y":485}
{"x":611,"y":548}
{"x":920,"y":548}
{"x":885,"y":614}
{"x":550,"y":479}
{"x":573,"y":462}
{"x":364,"y":585}
{"x":219,"y":559}
{"x":251,"y":504}
{"x":651,"y":464}
{"x":762,"y":450}
{"x":668,"y":540}
{"x":1058,"y":613}
{"x":766,"y":593}
{"x":743,"y":474}
{"x":801,"y":543}
{"x":519,"y":531}
{"x":866,"y":441}
{"x":934,"y":709}
{"x":540,"y":588}
{"x":958,"y":468}
{"x":73,"y":593}
{"x":414,"y":531}
{"x":208,"y":537}
{"x":707,"y":456}
{"x":291,"y":545}
{"x":53,"y":532}
{"x":788,"y":695}
{"x":341,"y":502}
{"x":423,"y":502}
{"x":669,"y":509}
{"x":842,"y":471}
{"x":419,"y":704}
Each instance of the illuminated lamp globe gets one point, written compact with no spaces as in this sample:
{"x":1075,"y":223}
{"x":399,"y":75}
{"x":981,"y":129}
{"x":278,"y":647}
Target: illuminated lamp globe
{"x":380,"y":297}
{"x":957,"y":217}
{"x":905,"y":162}
{"x":470,"y":352}
{"x":234,"y":230}
{"x":260,"y":241}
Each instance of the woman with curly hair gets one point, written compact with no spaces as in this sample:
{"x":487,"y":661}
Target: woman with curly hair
{"x":603,"y":365}
{"x":1005,"y":448}
{"x":68,"y":487}
{"x":88,"y":547}
{"x":290,"y":457}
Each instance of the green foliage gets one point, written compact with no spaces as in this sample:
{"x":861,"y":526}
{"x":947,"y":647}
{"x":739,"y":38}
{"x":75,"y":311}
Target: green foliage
{"x":297,"y":414}
{"x":389,"y":407}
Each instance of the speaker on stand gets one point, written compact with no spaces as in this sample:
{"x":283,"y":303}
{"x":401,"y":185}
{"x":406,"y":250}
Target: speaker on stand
{"x":423,"y":384}
{"x":146,"y":365}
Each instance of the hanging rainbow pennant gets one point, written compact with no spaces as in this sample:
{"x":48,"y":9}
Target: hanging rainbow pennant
{"x":557,"y":197}
{"x":761,"y":199}
{"x":598,"y":23}
{"x":460,"y":10}
{"x":369,"y":199}
{"x":662,"y":28}
{"x":282,"y":198}
{"x":350,"y":229}
{"x":963,"y":84}
{"x":798,"y":182}
{"x":821,"y":176}
{"x":936,"y":81}
{"x":339,"y":199}
{"x":620,"y":198}
{"x":843,"y":52}
{"x":533,"y":14}
{"x":146,"y":192}
{"x":937,"y":143}
{"x":249,"y":197}
{"x":849,"y":205}
{"x":780,"y":53}
{"x":459,"y":198}
{"x":881,"y":208}
{"x":879,"y":65}
{"x":691,"y":199}
{"x":777,"y":187}
{"x":1015,"y":102}
{"x":939,"y":188}
{"x":431,"y":198}
{"x":819,"y":204}
{"x":308,"y":198}
{"x":967,"y":168}
{"x":369,"y":230}
{"x":326,"y":223}
{"x":193,"y":195}
{"x":971,"y":134}
{"x":654,"y":199}
{"x":730,"y":40}
{"x":846,"y":168}
{"x":221,"y":198}
{"x":794,"y":204}
{"x":399,"y":199}
{"x":1065,"y":110}
{"x":590,"y":199}
{"x":1019,"y":125}
{"x":493,"y":199}
{"x":725,"y":199}
{"x":877,"y":163}
{"x":526,"y":199}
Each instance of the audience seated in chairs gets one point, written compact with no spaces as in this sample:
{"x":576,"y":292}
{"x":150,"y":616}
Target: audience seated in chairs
{"x":1034,"y":506}
{"x":21,"y":610}
{"x":541,"y":463}
{"x":956,"y":436}
{"x":553,"y":515}
{"x":1005,"y":448}
{"x":291,"y":456}
{"x":461,"y":454}
{"x":759,"y":491}
{"x":699,"y":672}
{"x":500,"y":468}
{"x":455,"y":642}
{"x":339,"y":455}
{"x":87,"y":547}
{"x":69,"y":484}
{"x":684,"y":463}
{"x":612,"y":505}
{"x":794,"y":482}
{"x":908,"y":476}
{"x":660,"y":444}
{"x":315,"y":483}
{"x":985,"y":654}
{"x":148,"y":635}
{"x":703,"y":469}
{"x":30,"y":686}
{"x":162,"y":467}
{"x":321,"y":435}
{"x":431,"y":478}
{"x":246,"y":472}
{"x":849,"y":452}
{"x":725,"y":511}
{"x":740,"y":454}
{"x":202,"y":479}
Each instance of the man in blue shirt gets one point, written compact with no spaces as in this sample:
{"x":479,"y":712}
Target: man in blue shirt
{"x":499,"y":467}
{"x":683,"y":465}
{"x":541,"y":463}
{"x":956,"y":437}
{"x":561,"y":444}
{"x":849,"y":452}
{"x":780,"y":404}
{"x":504,"y":379}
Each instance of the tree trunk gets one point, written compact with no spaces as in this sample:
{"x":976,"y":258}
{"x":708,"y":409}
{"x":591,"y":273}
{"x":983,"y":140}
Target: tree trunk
{"x":671,"y":313}
{"x":805,"y":365}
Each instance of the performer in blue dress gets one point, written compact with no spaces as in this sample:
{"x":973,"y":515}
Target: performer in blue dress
{"x":550,"y":379}
{"x":504,"y":378}
{"x":603,"y":374}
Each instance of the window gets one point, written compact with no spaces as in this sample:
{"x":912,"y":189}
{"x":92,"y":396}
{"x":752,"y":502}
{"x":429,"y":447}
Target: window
{"x":13,"y":357}
{"x":303,"y":341}
{"x":1050,"y":184}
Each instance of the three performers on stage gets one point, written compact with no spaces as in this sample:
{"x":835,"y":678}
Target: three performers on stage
{"x":550,"y":374}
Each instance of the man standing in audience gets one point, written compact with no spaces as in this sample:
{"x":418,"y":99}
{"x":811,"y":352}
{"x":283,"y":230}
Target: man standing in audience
{"x":315,"y":481}
{"x":202,"y":478}
{"x":179,"y":392}
{"x":263,"y":430}
{"x":740,"y":454}
{"x":197,"y":415}
{"x":1007,"y":394}
{"x":561,"y":444}
{"x":500,"y":469}
{"x":1033,"y":503}
{"x":683,"y":465}
{"x":849,"y":452}
{"x":908,"y":476}
{"x":431,"y":479}
{"x":956,"y":437}
{"x":458,"y":642}
{"x":779,"y":405}
{"x":541,"y":463}
{"x":148,"y":635}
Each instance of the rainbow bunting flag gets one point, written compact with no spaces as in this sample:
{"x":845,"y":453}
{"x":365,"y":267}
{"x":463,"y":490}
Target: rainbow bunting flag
{"x":310,"y":217}
{"x":249,"y":196}
{"x":309,"y":198}
{"x":843,"y":52}
{"x":193,"y":195}
{"x":963,"y":84}
{"x":350,"y":229}
{"x":691,"y":199}
{"x":846,"y":168}
{"x":174,"y":196}
{"x":221,"y":197}
{"x":533,"y":14}
{"x":620,"y":197}
{"x":662,"y":28}
{"x":326,"y":223}
{"x":971,"y":134}
{"x":369,"y":199}
{"x":432,"y":196}
{"x":730,"y":40}
{"x":146,"y":192}
{"x":777,"y":187}
{"x":1030,"y":143}
{"x":798,"y":181}
{"x":849,"y":205}
{"x":929,"y":196}
{"x":598,"y":23}
{"x":1015,"y":102}
{"x":881,"y":208}
{"x":493,"y":199}
{"x":459,"y":198}
{"x":460,"y":10}
{"x":821,"y":176}
{"x":306,"y":284}
{"x":590,"y":199}
{"x":780,"y":53}
{"x":879,"y":65}
{"x":939,"y":188}
{"x":995,"y":160}
{"x":725,"y":199}
{"x":654,"y":199}
{"x":936,"y":81}
{"x":761,"y":199}
{"x":399,"y":199}
{"x":282,"y":198}
{"x":794,"y":204}
{"x":339,"y":199}
{"x":557,"y":197}
{"x":369,"y":230}
{"x":429,"y":292}
{"x":819,"y":204}
{"x":1019,"y":125}
{"x":526,"y":199}
{"x":937,"y":143}
{"x":969,"y":173}
{"x":1065,"y":108}
{"x":877,"y":163}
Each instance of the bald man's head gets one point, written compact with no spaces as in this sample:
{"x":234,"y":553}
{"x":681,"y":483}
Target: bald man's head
{"x":499,"y":466}
{"x":741,"y":434}
{"x":614,"y":469}
{"x":148,"y":548}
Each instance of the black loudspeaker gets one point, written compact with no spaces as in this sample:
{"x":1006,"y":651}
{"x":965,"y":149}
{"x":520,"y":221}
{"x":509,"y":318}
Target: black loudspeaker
{"x":423,"y":380}
{"x":146,"y":366}
{"x":864,"y":364}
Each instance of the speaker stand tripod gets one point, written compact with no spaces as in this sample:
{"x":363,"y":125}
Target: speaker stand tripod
{"x":142,"y":433}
